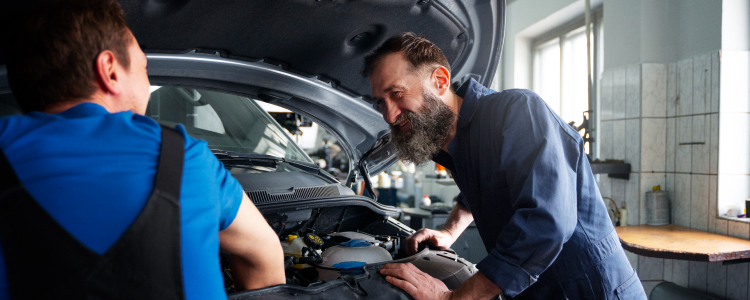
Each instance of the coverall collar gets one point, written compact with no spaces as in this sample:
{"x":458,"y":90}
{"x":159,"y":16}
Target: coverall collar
{"x":470,"y":91}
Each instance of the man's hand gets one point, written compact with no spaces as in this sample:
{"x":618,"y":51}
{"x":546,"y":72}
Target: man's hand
{"x":457,"y":222}
{"x":416,"y":283}
{"x":440,"y":238}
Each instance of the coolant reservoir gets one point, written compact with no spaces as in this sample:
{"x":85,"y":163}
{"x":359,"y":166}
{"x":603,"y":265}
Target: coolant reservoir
{"x":349,"y":253}
{"x":293,"y":245}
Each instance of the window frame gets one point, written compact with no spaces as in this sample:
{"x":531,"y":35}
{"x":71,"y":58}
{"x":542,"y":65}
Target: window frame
{"x":560,"y":33}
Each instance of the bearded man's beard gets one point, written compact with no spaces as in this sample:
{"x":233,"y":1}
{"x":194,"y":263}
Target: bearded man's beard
{"x":429,"y":130}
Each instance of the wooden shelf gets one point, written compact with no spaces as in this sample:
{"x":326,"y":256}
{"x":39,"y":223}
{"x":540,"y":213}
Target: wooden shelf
{"x":683,"y":243}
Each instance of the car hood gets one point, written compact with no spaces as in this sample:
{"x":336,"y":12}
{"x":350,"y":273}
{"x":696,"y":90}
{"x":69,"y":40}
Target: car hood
{"x":307,"y":55}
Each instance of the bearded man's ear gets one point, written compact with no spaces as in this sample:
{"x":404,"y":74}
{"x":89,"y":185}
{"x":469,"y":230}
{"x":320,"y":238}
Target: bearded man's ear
{"x":442,"y":78}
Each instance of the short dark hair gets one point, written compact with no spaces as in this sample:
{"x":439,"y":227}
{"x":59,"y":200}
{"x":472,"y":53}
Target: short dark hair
{"x":52,"y":59}
{"x":419,"y":52}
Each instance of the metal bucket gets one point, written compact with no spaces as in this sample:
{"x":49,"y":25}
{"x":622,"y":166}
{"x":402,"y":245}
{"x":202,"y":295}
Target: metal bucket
{"x":657,"y":208}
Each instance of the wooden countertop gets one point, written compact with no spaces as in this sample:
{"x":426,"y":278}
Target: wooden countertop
{"x":679,"y":242}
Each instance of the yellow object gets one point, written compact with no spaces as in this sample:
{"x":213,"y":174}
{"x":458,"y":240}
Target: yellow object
{"x":657,"y":188}
{"x":293,"y":247}
{"x":315,"y":239}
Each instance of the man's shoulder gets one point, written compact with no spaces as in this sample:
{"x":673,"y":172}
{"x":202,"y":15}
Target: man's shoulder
{"x":511,"y":100}
{"x":514,"y":95}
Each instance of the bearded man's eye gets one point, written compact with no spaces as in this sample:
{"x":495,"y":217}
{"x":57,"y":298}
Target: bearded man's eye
{"x":377,"y":104}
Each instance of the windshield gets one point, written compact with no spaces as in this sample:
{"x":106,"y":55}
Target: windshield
{"x":227,"y":122}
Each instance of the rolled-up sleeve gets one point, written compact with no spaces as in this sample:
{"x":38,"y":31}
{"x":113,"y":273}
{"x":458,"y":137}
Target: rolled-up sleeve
{"x":461,"y":200}
{"x":539,"y":158}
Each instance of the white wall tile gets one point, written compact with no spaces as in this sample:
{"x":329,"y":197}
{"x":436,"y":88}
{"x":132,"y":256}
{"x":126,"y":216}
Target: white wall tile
{"x":700,"y":152}
{"x":717,"y":280}
{"x":650,"y":268}
{"x":699,"y":202}
{"x":715,"y":63}
{"x":680,"y":271}
{"x":619,"y":93}
{"x":618,"y":133}
{"x":654,"y":90}
{"x":606,"y":139}
{"x":633,"y":259}
{"x":737,"y":281}
{"x":733,"y":190}
{"x":734,"y":143}
{"x":701,"y":84}
{"x":633,"y":91}
{"x":632,"y":192}
{"x":653,"y":144}
{"x":672,"y":90}
{"x":721,"y":226}
{"x":712,"y":202}
{"x":739,"y":229}
{"x":633,"y":143}
{"x":735,"y":75}
{"x":698,"y":280}
{"x":670,"y":188}
{"x":684,"y":100}
{"x":671,"y":144}
{"x":681,"y":200}
{"x":647,"y":183}
{"x":606,"y":94}
{"x":605,"y":185}
{"x":668,"y":270}
{"x":683,"y":153}
{"x":713,"y":140}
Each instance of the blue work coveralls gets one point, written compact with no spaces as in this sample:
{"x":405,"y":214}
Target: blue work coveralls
{"x":526,"y":179}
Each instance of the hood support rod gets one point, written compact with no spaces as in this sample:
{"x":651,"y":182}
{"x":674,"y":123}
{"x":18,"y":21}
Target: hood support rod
{"x":366,"y":174}
{"x":366,"y":177}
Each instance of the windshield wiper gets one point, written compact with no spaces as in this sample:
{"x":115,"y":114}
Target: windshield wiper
{"x":233,"y":156}
{"x":226,"y":155}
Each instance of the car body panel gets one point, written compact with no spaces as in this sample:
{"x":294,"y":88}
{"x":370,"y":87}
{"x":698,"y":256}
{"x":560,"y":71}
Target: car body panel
{"x":307,"y":55}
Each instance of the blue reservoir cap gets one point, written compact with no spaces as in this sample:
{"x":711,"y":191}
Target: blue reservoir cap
{"x":350,"y":265}
{"x":356,"y":243}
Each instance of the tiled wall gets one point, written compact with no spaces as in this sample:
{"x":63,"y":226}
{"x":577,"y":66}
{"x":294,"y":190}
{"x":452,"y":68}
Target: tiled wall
{"x":663,"y":119}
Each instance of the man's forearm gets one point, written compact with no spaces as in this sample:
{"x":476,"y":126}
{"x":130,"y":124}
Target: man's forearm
{"x":477,"y":287}
{"x":459,"y":219}
{"x":257,"y":257}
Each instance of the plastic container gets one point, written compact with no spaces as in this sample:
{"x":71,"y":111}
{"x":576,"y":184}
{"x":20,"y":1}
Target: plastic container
{"x":351,"y":252}
{"x":657,"y":207}
{"x":426,"y":201}
{"x":293,"y":247}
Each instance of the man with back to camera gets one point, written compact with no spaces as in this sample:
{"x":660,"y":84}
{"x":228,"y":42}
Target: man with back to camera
{"x":524,"y":177}
{"x":99,"y":201}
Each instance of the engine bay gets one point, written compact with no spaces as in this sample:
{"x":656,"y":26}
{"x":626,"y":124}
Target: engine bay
{"x":328,"y":244}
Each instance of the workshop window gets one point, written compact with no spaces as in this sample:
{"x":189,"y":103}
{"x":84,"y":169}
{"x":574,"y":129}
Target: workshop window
{"x":559,"y":73}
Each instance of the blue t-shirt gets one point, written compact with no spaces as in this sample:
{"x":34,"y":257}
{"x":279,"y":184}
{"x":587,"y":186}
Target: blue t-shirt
{"x":93,"y":171}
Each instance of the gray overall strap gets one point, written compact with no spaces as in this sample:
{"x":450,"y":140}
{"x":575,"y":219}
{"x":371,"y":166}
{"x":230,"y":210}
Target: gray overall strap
{"x":44,"y":261}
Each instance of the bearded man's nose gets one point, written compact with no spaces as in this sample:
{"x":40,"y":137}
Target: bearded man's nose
{"x":392,"y":112}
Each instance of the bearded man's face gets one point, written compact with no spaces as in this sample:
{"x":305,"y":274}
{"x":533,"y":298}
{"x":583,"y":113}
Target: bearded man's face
{"x":428,"y":131}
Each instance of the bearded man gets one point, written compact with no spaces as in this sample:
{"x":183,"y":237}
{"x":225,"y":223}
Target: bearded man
{"x":524,"y":177}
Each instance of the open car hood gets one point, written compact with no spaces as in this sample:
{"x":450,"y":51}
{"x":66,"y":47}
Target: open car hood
{"x":307,"y":55}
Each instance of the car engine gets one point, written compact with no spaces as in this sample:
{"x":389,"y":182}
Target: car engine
{"x":323,"y":245}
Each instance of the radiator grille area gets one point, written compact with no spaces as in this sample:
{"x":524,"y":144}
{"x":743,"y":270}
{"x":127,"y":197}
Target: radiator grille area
{"x":296,"y":194}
